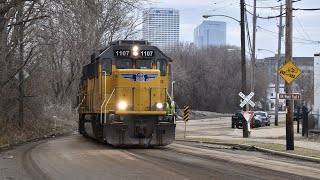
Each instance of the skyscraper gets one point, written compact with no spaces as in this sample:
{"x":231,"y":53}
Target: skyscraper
{"x":210,"y":33}
{"x":161,"y":27}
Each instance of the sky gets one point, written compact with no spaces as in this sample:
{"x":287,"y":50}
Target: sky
{"x":306,"y":24}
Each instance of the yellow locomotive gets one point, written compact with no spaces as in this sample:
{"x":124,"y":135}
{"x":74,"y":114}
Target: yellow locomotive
{"x":122,"y":95}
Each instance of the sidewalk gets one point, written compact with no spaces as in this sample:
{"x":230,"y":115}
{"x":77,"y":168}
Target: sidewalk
{"x":276,"y":135}
{"x":219,"y":130}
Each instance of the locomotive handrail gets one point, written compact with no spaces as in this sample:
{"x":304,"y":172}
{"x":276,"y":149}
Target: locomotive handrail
{"x":169,"y":96}
{"x":105,"y":93}
{"x":105,"y":105}
{"x":81,"y":101}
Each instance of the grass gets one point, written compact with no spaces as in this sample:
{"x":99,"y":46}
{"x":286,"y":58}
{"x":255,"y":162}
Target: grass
{"x":271,"y":146}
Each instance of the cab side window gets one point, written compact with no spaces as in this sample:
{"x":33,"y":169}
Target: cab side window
{"x":161,"y":65}
{"x":91,"y":70}
{"x":107,"y":65}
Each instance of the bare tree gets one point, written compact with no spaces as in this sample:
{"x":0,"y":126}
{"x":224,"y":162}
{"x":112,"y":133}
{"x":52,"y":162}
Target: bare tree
{"x":51,"y":41}
{"x":209,"y":78}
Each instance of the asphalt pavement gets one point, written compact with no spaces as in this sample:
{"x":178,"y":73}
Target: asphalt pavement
{"x":75,"y":157}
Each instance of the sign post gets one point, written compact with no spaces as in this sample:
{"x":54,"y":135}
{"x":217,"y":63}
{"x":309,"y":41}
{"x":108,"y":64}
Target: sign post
{"x":289,"y":72}
{"x":246,"y":114}
{"x":186,"y":112}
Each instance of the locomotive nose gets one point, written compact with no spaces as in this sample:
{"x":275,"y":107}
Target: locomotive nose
{"x":140,"y":89}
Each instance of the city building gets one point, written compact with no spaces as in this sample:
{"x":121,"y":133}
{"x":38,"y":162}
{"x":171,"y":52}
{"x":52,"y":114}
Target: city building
{"x":161,"y":27}
{"x":303,"y":84}
{"x":271,"y":97}
{"x":210,"y":33}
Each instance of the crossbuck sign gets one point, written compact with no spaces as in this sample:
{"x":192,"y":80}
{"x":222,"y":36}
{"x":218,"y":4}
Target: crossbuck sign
{"x":246,"y":99}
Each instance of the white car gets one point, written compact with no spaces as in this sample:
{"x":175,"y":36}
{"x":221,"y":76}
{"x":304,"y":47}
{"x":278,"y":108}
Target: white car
{"x":257,"y":120}
{"x":264,"y":116}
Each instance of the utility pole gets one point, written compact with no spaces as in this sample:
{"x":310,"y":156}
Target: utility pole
{"x":243,"y":64}
{"x":253,"y":56}
{"x":276,"y":118}
{"x":20,"y":75}
{"x":288,"y":88}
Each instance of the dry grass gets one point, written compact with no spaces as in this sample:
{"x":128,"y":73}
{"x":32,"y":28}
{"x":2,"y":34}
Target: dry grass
{"x":34,"y":129}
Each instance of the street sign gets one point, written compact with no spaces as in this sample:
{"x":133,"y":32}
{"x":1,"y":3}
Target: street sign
{"x":289,"y":72}
{"x":186,"y":111}
{"x":246,"y":99}
{"x":247,"y":115}
{"x":290,"y":96}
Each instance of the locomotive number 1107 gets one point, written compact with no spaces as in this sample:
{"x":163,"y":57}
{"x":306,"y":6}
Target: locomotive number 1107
{"x":146,"y":53}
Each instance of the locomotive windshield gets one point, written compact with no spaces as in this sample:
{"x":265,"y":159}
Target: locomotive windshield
{"x":124,"y":64}
{"x":144,"y":64}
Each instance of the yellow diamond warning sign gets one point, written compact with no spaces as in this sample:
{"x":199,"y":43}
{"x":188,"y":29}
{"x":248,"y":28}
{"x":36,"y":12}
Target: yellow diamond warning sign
{"x":289,"y":72}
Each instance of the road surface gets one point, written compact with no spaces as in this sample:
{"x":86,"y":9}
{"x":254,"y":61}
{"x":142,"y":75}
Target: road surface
{"x":75,"y":157}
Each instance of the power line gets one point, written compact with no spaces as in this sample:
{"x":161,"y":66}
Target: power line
{"x":311,"y":41}
{"x":269,"y":17}
{"x":264,"y":7}
{"x":225,"y":6}
{"x":268,"y":6}
{"x":248,"y":33}
{"x":303,"y":9}
{"x":308,"y":37}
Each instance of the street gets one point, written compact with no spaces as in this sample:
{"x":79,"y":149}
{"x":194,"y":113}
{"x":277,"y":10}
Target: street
{"x":75,"y":157}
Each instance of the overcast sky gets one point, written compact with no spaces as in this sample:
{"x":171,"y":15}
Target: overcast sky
{"x":306,"y":24}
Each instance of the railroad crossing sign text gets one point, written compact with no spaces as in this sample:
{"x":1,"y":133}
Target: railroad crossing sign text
{"x":246,"y":99}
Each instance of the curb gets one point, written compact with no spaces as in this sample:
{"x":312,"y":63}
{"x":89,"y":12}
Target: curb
{"x":295,"y":156}
{"x":248,"y":147}
{"x":8,"y":146}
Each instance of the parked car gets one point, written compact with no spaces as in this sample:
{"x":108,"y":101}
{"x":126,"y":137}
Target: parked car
{"x":264,"y":116}
{"x":236,"y":119}
{"x":257,"y":121}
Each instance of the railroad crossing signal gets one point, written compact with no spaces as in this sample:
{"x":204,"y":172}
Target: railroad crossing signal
{"x":246,"y":99}
{"x":289,"y":72}
{"x":186,"y":111}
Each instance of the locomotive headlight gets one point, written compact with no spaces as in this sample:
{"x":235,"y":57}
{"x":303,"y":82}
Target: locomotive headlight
{"x":135,"y":50}
{"x":159,"y":105}
{"x":135,"y":53}
{"x":122,"y":105}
